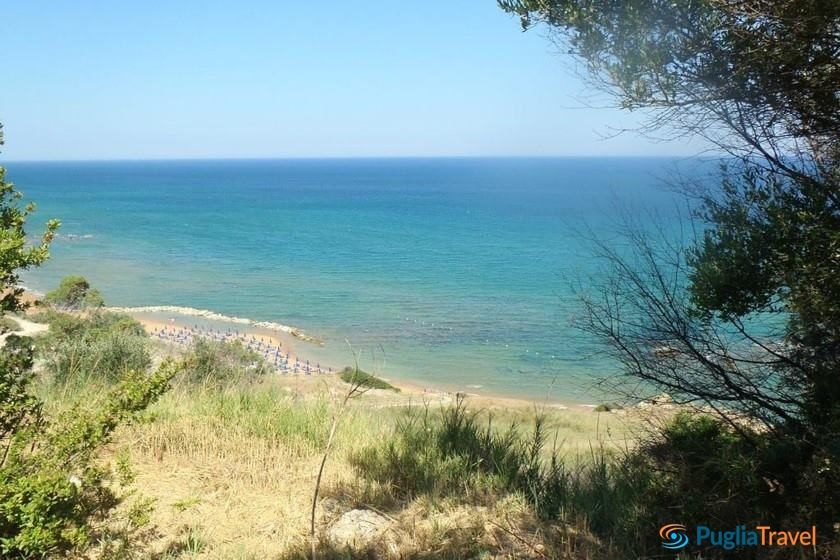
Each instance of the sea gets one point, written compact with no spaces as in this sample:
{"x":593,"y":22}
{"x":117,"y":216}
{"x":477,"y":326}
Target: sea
{"x":457,"y":273}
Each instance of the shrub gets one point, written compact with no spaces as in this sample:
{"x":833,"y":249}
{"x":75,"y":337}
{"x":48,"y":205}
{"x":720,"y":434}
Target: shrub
{"x":704,"y":466}
{"x":52,"y":492}
{"x":218,"y":363}
{"x":7,"y":324}
{"x":101,"y":346}
{"x":16,"y":404}
{"x":608,"y":407}
{"x":411,"y":462}
{"x":106,"y":357}
{"x":67,"y":325}
{"x":74,"y":292}
{"x":707,"y":470}
{"x":699,"y":470}
{"x":363,"y":379}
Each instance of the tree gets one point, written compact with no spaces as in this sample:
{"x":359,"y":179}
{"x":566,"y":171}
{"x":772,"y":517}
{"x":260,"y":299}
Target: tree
{"x":745,"y":320}
{"x":74,"y":293}
{"x":761,"y":79}
{"x":15,"y":254}
{"x":756,"y":73}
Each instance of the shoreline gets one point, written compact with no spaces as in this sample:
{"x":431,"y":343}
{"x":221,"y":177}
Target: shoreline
{"x":208,"y":315}
{"x":292,"y":347}
{"x":292,"y":340}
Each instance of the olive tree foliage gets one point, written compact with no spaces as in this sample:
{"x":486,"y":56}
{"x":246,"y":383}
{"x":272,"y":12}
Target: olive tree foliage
{"x":746,"y":317}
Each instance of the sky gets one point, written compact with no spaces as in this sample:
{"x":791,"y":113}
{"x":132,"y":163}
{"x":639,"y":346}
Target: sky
{"x":257,"y":79}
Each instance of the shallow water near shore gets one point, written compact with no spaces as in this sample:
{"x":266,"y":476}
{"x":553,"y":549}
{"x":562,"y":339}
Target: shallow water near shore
{"x":456,"y":272}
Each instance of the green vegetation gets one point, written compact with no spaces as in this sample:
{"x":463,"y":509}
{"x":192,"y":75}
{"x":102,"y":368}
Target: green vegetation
{"x":17,"y":255}
{"x":7,"y":324}
{"x":54,"y":494}
{"x":760,"y":79}
{"x":619,"y":497}
{"x":222,"y":363}
{"x":456,"y":452}
{"x":749,"y":311}
{"x":365,"y":380}
{"x":452,"y":451}
{"x":99,"y":346}
{"x":74,"y":293}
{"x":608,"y":407}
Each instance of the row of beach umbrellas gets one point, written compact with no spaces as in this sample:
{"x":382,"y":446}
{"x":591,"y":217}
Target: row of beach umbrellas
{"x":272,"y":354}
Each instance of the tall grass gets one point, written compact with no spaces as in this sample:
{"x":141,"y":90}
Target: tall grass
{"x":458,"y":452}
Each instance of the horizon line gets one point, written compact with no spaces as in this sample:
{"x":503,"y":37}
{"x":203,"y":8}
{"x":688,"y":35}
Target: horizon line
{"x":347,"y":158}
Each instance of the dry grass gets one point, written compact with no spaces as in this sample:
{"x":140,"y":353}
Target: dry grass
{"x":231,"y":472}
{"x":236,"y":466}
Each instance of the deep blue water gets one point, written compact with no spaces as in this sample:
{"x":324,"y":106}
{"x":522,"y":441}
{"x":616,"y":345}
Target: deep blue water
{"x":457,"y":270}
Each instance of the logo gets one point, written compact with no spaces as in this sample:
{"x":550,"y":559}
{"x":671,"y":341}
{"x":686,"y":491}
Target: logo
{"x":673,"y":536}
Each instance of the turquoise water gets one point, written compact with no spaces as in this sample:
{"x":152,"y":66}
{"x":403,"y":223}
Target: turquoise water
{"x":456,"y":272}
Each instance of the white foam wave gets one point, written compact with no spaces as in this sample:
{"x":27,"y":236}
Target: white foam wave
{"x":213,"y":316}
{"x":74,"y":236}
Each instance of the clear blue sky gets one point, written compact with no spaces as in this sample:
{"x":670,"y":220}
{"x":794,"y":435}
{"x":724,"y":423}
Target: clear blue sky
{"x":188,"y":78}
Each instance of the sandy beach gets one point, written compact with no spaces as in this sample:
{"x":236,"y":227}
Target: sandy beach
{"x":295,"y":348}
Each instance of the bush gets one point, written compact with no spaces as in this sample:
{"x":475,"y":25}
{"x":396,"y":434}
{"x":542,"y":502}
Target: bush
{"x":364,"y":379}
{"x":701,"y":467}
{"x":218,"y":363}
{"x":608,"y":407}
{"x":100,"y":346}
{"x":66,"y":325}
{"x":7,"y":324}
{"x":74,"y":293}
{"x":52,"y":493}
{"x":106,"y":357}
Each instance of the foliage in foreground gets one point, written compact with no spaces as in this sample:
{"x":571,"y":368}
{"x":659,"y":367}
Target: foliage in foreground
{"x":746,"y":311}
{"x":17,"y":254}
{"x":695,"y":465}
{"x":461,"y":453}
{"x":52,"y":492}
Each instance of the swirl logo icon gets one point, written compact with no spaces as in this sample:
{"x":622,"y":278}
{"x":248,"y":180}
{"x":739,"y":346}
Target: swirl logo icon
{"x":673,"y":536}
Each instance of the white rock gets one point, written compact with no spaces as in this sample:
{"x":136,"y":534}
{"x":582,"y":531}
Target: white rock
{"x":357,"y":528}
